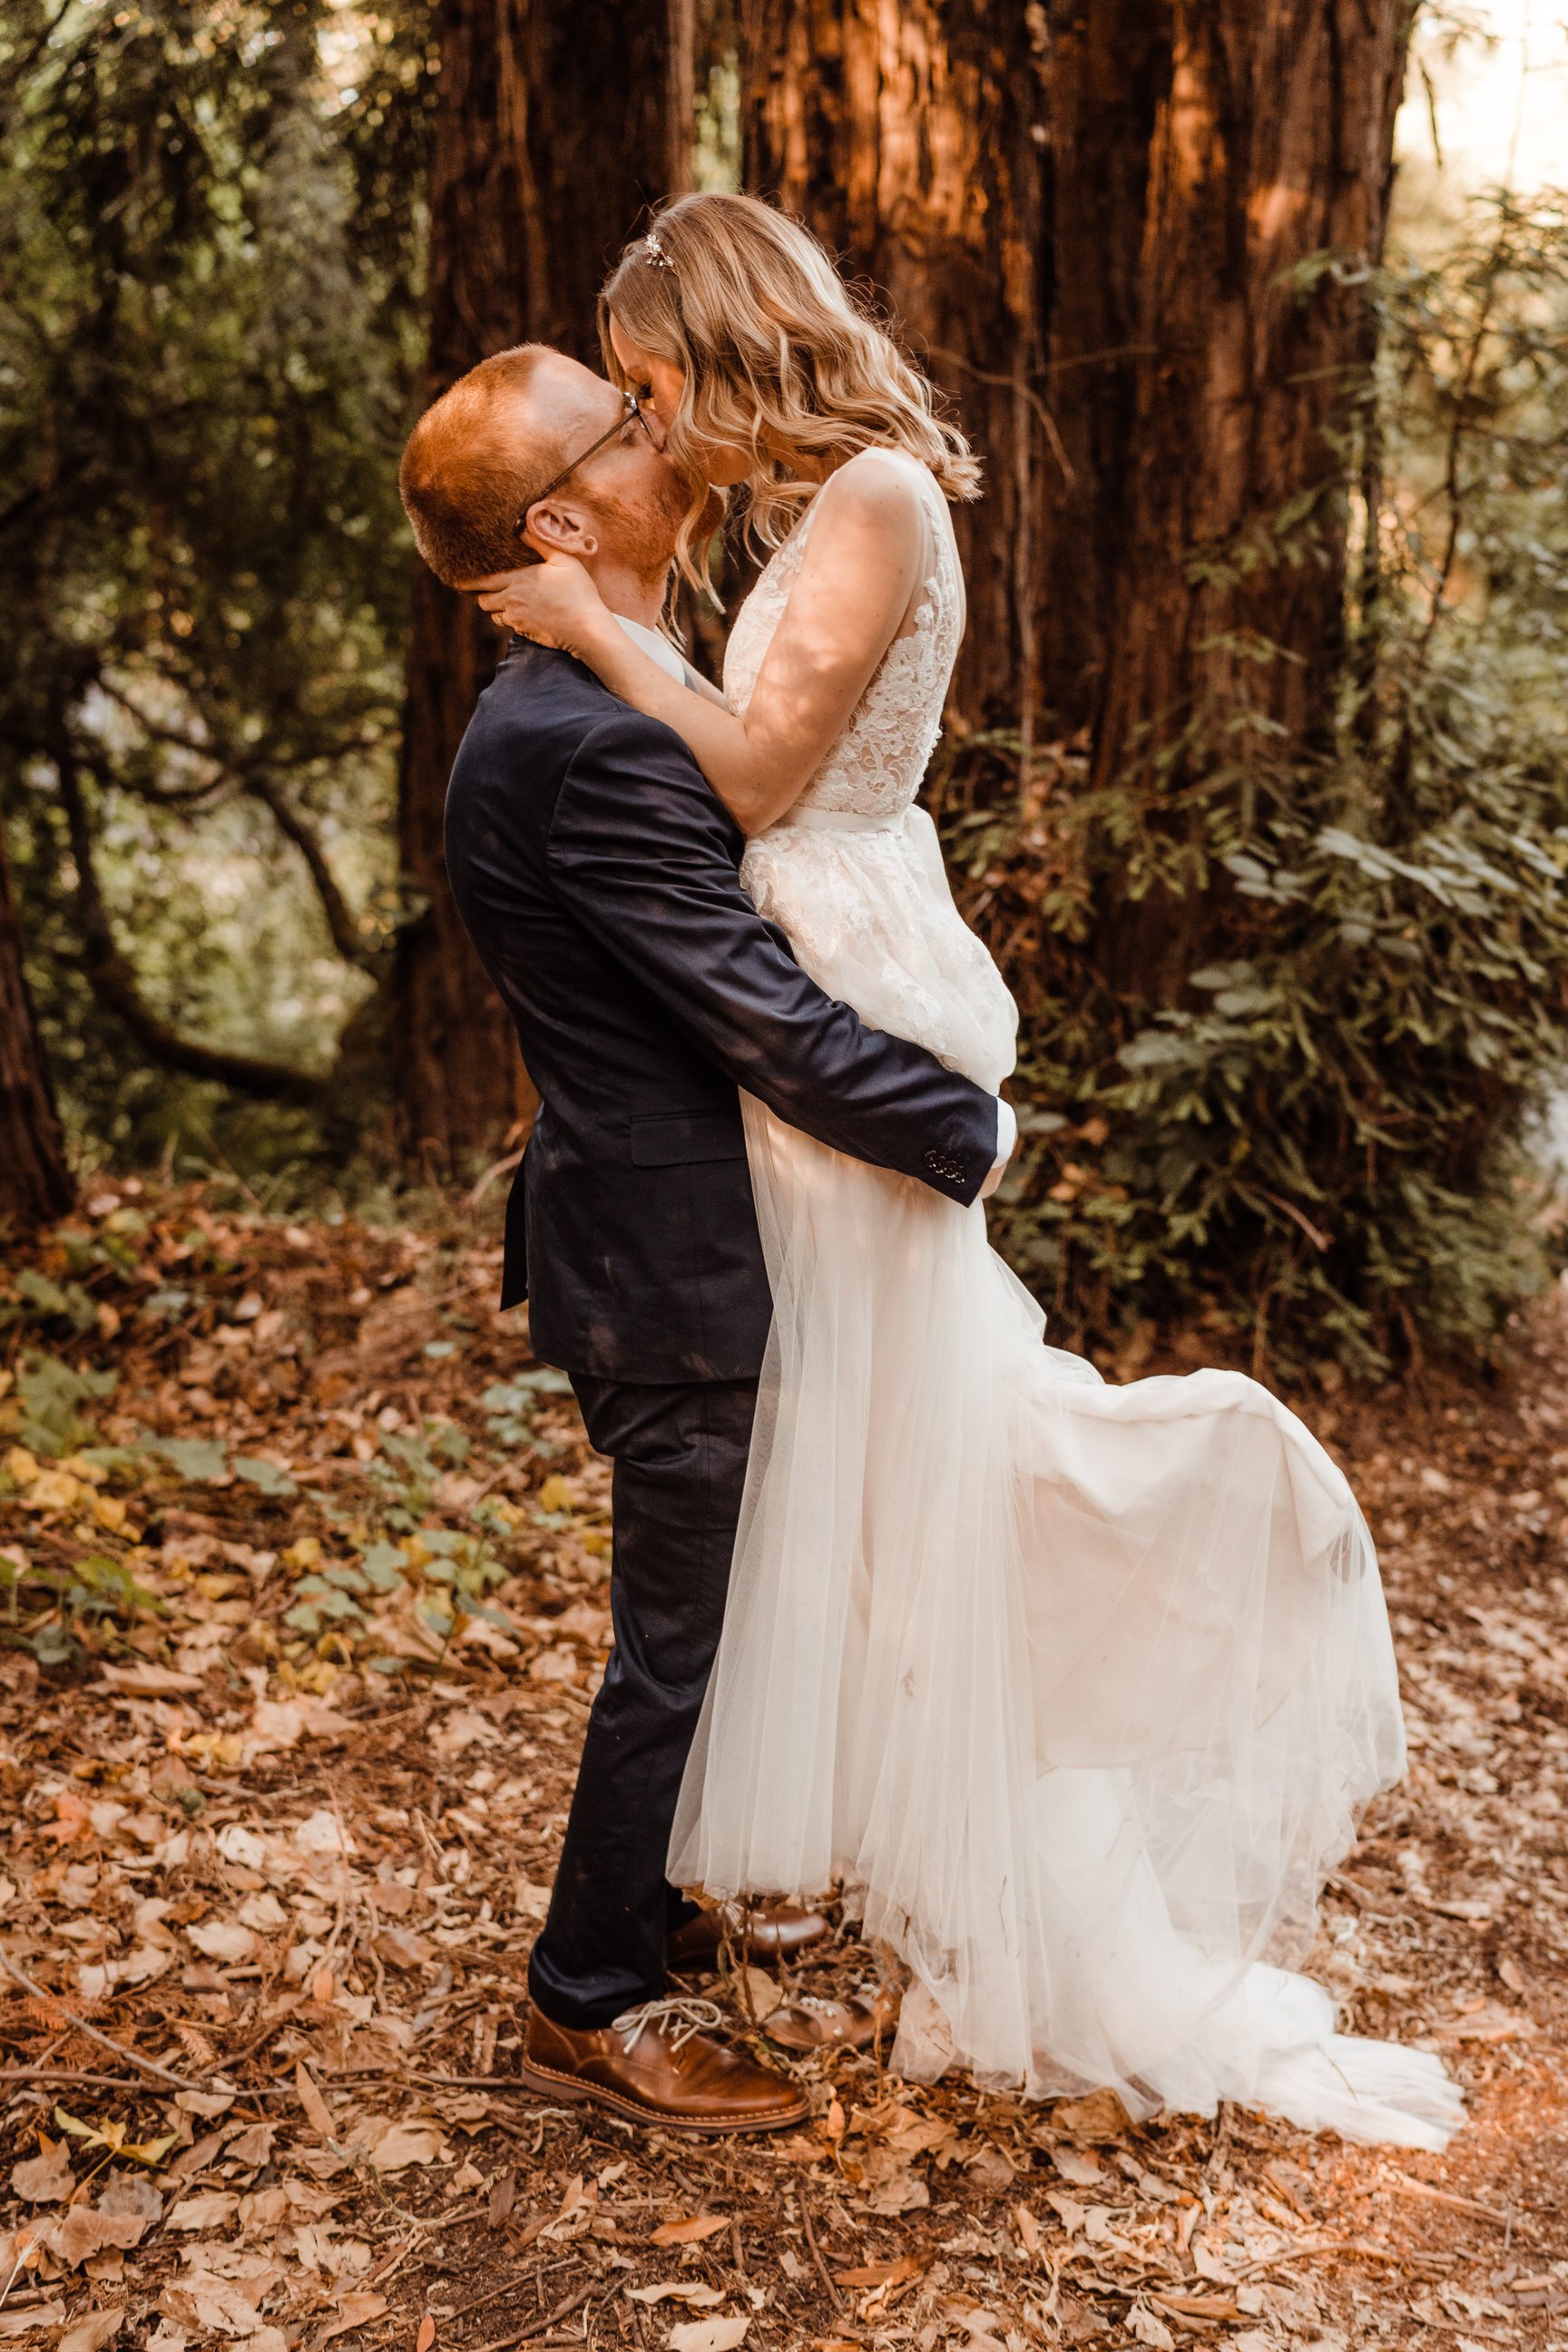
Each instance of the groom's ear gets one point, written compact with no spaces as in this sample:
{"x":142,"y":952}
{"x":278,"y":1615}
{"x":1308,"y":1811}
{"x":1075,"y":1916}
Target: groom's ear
{"x":560,"y":527}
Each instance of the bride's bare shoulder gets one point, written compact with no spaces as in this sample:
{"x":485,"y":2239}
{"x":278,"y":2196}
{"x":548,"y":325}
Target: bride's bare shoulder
{"x":875,"y":495}
{"x":886,"y":479}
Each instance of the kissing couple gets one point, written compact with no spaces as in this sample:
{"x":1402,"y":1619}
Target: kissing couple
{"x":1074,"y":1690}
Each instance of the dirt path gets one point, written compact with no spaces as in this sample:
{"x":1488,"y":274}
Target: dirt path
{"x":306,"y":1581}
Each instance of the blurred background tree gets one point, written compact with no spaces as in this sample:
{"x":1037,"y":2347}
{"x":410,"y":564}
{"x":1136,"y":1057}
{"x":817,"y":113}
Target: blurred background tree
{"x":557,"y":124}
{"x":1255,"y":774}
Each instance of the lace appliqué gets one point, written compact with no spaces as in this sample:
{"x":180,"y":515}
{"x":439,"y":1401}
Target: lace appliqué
{"x":876,"y":764}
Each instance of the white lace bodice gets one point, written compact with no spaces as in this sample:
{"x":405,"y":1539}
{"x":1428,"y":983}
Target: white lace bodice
{"x":876,"y":766}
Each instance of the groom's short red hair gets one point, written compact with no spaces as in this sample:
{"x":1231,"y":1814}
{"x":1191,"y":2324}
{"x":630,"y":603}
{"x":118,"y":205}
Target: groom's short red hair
{"x":467,"y":473}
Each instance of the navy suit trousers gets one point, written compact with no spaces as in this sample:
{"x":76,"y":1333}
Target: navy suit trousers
{"x":680,"y":1456}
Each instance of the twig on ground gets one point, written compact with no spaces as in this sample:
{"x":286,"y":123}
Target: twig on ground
{"x":70,"y":2074}
{"x":1405,"y":2186}
{"x":822,"y":2271}
{"x":79,"y":2026}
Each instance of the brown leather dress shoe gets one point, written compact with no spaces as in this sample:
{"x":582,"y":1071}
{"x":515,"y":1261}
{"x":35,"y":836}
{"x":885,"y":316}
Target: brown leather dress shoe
{"x":768,"y":1932}
{"x":660,"y":2064}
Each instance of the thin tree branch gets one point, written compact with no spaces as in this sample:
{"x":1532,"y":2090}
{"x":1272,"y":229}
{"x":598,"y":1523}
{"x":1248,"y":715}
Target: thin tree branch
{"x":1019,"y":385}
{"x":114,"y":984}
{"x":252,"y":778}
{"x":346,"y":936}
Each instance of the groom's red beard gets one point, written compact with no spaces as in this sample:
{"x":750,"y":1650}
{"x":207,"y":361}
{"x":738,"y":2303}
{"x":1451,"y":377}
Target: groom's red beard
{"x":646,"y":532}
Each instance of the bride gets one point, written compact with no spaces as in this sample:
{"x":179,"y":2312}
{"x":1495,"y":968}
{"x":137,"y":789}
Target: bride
{"x":1076,"y":1689}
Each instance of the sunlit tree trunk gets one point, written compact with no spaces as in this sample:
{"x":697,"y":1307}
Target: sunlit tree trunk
{"x":1269,"y":173}
{"x":1097,"y":220}
{"x":913,"y":140}
{"x":35,"y":1182}
{"x":559,"y":122}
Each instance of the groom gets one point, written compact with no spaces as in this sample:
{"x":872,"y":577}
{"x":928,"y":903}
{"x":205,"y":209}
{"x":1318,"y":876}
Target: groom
{"x":597,"y":876}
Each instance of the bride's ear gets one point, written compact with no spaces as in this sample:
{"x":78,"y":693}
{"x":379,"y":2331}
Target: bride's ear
{"x":556,"y":527}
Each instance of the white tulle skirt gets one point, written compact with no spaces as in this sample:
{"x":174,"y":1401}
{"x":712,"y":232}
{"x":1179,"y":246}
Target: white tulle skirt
{"x":1074,"y":1689}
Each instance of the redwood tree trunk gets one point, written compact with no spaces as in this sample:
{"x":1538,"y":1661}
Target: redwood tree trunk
{"x":560,"y":120}
{"x":906,"y":138}
{"x":35,"y":1182}
{"x":1272,"y":144}
{"x":1081,"y":213}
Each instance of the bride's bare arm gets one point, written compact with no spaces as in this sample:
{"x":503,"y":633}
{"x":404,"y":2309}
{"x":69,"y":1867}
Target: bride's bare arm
{"x":850,"y":598}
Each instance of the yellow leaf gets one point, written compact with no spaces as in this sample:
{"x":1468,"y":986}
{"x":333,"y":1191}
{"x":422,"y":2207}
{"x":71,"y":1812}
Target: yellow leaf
{"x":303,"y":1554}
{"x":79,"y":2130}
{"x":55,"y":1490}
{"x":21,"y":1465}
{"x":557,"y":1494}
{"x":91,"y":1473}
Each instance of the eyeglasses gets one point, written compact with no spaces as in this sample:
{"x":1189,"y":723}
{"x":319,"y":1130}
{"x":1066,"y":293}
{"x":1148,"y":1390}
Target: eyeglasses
{"x":634,"y":416}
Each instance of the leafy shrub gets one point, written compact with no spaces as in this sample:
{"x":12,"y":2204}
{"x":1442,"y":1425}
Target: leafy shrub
{"x":1315,"y":1130}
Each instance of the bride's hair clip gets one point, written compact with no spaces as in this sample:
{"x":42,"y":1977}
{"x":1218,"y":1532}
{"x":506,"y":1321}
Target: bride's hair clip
{"x":655,"y":254}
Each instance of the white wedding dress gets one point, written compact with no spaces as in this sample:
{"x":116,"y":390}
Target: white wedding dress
{"x":1074,"y":1689}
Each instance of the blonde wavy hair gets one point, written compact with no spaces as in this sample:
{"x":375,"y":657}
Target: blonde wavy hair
{"x":780,"y":359}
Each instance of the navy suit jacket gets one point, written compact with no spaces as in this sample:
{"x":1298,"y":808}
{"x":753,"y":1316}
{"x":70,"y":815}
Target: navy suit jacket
{"x":596,"y":873}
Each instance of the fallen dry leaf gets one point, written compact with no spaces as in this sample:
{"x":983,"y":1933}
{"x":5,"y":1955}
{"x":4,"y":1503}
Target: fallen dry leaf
{"x":355,"y":2311}
{"x":210,"y":2306}
{"x":689,"y":2233}
{"x":223,"y":1939}
{"x":698,"y":2297}
{"x":755,"y":1988}
{"x":209,"y":2208}
{"x":151,"y":1680}
{"x":88,"y":2335}
{"x":1102,"y":2116}
{"x":708,"y":2335}
{"x":892,"y":2274}
{"x":402,"y":2145}
{"x":37,"y":2315}
{"x":75,"y":2236}
{"x":46,"y":2179}
{"x":316,"y":2108}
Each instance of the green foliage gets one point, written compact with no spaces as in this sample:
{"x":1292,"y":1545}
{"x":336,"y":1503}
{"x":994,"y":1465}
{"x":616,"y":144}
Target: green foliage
{"x":511,"y":1405}
{"x":207,"y":353}
{"x":60,"y":1613}
{"x":50,"y":1393}
{"x":1307,"y":1108}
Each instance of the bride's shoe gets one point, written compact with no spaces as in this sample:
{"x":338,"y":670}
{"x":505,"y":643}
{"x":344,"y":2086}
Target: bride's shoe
{"x":754,"y":1932}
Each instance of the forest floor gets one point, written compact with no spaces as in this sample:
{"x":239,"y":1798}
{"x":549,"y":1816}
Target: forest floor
{"x":306,"y":1575}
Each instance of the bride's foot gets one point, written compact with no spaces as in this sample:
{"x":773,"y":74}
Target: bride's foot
{"x":810,"y":2023}
{"x":660,"y":2064}
{"x":764,"y":1931}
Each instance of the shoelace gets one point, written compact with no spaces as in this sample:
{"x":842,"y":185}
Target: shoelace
{"x":690,"y":2015}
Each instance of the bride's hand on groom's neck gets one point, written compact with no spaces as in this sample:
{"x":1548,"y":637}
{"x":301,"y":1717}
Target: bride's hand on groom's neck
{"x":553,"y":602}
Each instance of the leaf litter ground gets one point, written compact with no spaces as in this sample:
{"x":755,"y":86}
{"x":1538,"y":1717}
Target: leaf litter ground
{"x":304,"y":1568}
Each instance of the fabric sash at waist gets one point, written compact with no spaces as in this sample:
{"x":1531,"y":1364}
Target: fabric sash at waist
{"x":822,"y":820}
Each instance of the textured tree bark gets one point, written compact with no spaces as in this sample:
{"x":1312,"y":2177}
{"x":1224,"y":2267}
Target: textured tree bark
{"x":35,"y":1181}
{"x":913,"y":141}
{"x":1272,"y":144}
{"x":559,"y":122}
{"x":1083,"y":214}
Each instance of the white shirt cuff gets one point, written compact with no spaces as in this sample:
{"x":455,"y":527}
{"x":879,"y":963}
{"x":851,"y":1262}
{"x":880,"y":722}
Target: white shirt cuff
{"x":1006,"y":1135}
